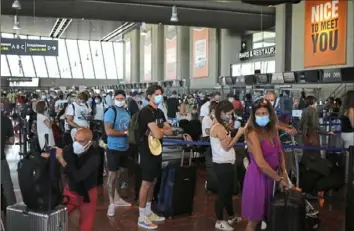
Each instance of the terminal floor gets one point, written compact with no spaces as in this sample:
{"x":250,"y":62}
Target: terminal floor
{"x":203,"y":218}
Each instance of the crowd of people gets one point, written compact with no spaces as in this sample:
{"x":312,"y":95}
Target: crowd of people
{"x":124,"y":124}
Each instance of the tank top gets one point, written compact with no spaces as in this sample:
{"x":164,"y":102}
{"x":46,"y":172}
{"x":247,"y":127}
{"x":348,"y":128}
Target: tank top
{"x":220,"y":156}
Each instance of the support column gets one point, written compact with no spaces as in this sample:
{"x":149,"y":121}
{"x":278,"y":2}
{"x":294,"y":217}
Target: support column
{"x":158,"y":52}
{"x":280,"y":18}
{"x":230,"y":45}
{"x":135,"y":56}
{"x":183,"y":58}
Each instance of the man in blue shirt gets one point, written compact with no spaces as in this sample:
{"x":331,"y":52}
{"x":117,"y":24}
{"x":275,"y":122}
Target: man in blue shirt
{"x":116,"y":122}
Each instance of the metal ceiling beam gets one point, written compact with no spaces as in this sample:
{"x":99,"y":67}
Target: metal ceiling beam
{"x":237,"y":21}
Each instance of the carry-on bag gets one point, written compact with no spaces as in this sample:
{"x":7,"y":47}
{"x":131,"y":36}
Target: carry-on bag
{"x":18,"y":218}
{"x":288,"y":211}
{"x":177,"y":188}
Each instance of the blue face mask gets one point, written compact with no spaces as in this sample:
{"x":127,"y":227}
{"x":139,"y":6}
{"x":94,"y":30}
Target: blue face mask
{"x":158,"y":99}
{"x":262,"y":121}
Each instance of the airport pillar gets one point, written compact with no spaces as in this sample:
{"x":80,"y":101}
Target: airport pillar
{"x":158,"y":52}
{"x":183,"y":59}
{"x":230,"y":45}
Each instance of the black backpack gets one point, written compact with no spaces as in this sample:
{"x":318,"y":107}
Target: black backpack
{"x":40,"y":182}
{"x":104,"y":135}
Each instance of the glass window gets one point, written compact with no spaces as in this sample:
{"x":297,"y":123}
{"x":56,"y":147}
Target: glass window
{"x":247,"y":69}
{"x":15,"y":65}
{"x":63,"y":60}
{"x":27,"y":66}
{"x":39,"y":64}
{"x":74,"y":58}
{"x":33,"y":37}
{"x":5,"y":71}
{"x":119,"y":55}
{"x":97,"y":59}
{"x":86,"y":60}
{"x":110,"y":64}
{"x":52,"y":65}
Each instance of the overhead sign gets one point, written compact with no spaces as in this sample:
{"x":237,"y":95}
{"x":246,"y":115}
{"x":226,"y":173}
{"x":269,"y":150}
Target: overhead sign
{"x":257,"y":53}
{"x":332,"y":75}
{"x":19,"y":79}
{"x":29,"y":47}
{"x":325,"y":34}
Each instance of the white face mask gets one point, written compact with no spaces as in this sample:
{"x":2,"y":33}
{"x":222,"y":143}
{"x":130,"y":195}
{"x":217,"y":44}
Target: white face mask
{"x":97,"y":101}
{"x":119,"y":103}
{"x":231,"y":99}
{"x":79,"y":149}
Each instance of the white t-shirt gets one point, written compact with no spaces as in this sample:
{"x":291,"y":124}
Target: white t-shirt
{"x":42,"y":129}
{"x":80,"y":114}
{"x":60,"y":104}
{"x":204,"y":109}
{"x":206,"y":124}
{"x":99,"y":114}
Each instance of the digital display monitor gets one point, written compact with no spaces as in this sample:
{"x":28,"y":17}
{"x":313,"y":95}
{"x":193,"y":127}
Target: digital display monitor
{"x":28,"y":82}
{"x":277,"y":78}
{"x":289,"y":77}
{"x":332,"y":75}
{"x":250,"y":79}
{"x":311,"y":76}
{"x":262,"y":78}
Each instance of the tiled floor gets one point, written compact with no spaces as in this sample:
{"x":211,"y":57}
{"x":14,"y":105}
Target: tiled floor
{"x":332,"y":215}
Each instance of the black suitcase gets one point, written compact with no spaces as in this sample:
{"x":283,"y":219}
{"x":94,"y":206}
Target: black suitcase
{"x":288,"y":211}
{"x":177,"y":189}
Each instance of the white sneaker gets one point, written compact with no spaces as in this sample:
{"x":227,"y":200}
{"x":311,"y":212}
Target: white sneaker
{"x":111,"y":210}
{"x":233,"y":220}
{"x":122,"y":203}
{"x":223,"y":225}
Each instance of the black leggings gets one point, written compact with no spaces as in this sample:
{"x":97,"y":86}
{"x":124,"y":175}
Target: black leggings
{"x":225,"y":178}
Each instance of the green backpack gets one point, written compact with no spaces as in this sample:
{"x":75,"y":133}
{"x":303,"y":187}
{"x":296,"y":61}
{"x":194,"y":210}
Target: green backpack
{"x":133,"y":128}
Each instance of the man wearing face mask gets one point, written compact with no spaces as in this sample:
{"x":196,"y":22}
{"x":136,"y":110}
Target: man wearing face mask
{"x":271,"y":97}
{"x":151,"y":122}
{"x":204,"y":110}
{"x":77,"y":113}
{"x":116,"y":122}
{"x":80,"y":162}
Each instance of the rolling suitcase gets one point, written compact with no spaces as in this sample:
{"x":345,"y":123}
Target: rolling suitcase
{"x":288,"y":211}
{"x":177,"y":189}
{"x":19,"y":218}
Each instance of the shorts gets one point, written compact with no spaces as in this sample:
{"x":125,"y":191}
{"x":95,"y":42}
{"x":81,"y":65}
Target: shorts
{"x":116,"y":159}
{"x":150,"y":169}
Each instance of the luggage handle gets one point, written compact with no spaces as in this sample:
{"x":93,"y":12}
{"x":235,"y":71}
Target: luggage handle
{"x":190,"y":158}
{"x":291,"y":185}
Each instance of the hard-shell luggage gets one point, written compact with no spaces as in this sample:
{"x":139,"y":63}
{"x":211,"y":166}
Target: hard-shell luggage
{"x":177,"y":189}
{"x":19,"y":218}
{"x":288,"y":211}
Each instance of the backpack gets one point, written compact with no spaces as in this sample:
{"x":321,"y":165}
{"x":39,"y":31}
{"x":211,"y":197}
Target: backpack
{"x":40,"y":181}
{"x":104,"y":135}
{"x":133,"y":128}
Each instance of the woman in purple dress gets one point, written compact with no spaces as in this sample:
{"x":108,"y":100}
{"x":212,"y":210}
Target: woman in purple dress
{"x":267,"y":163}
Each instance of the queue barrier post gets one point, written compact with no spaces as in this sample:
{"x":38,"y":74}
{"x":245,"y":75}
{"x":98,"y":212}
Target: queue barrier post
{"x":349,"y":207}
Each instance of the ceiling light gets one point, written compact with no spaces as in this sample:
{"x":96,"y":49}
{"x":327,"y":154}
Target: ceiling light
{"x":143,"y":31}
{"x":16,"y":23}
{"x":174,"y":17}
{"x":16,"y":5}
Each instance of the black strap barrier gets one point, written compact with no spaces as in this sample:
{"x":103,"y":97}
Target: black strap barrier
{"x":349,"y":209}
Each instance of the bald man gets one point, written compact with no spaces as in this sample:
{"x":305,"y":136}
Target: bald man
{"x":271,"y":97}
{"x":81,"y":163}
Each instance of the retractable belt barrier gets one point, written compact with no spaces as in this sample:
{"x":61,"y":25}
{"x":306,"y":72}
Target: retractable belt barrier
{"x":200,"y":143}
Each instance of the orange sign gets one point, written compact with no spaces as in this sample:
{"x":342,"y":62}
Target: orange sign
{"x":325,"y":33}
{"x":200,"y":52}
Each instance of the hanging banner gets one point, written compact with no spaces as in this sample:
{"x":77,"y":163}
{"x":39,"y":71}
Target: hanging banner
{"x":147,"y":56}
{"x":200,"y":52}
{"x":325,"y":33}
{"x":128,"y":61}
{"x":171,"y":53}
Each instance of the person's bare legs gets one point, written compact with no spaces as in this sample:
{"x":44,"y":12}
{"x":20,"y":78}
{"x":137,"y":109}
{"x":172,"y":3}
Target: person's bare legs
{"x":144,"y":193}
{"x":252,"y":225}
{"x":111,"y":186}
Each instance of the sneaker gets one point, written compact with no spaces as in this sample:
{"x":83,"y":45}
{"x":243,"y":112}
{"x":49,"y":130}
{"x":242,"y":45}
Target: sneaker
{"x":111,"y":210}
{"x":223,"y":225}
{"x":122,"y":203}
{"x":145,"y":223}
{"x":154,"y":217}
{"x":234,"y":220}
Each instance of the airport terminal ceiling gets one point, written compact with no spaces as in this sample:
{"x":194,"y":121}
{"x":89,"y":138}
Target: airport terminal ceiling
{"x":214,"y":14}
